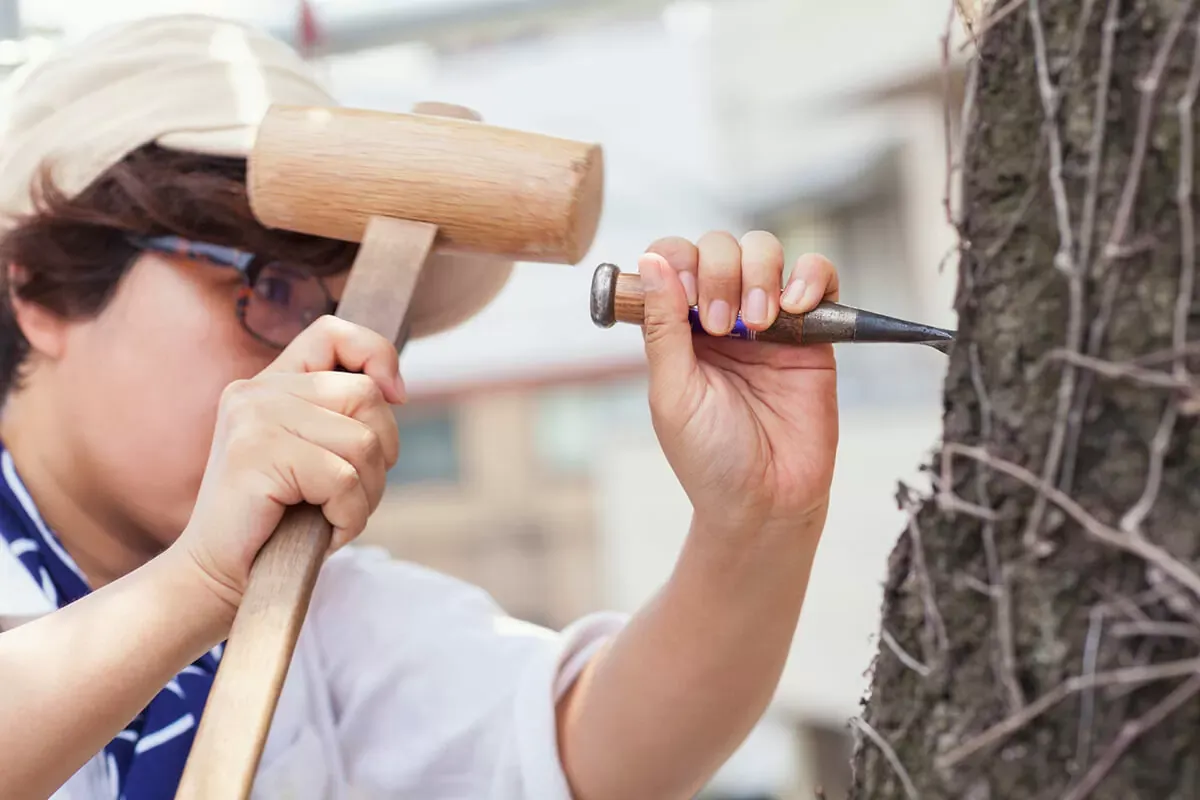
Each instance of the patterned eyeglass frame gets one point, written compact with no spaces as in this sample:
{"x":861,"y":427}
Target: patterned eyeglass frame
{"x":221,"y":256}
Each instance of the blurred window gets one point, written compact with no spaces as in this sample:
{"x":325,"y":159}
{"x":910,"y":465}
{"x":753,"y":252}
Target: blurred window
{"x":428,"y":448}
{"x":574,"y":422}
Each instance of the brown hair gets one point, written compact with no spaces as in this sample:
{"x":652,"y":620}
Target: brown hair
{"x":72,"y":251}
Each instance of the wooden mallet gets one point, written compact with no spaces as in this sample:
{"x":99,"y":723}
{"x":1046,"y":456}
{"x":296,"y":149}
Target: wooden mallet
{"x":415,"y":190}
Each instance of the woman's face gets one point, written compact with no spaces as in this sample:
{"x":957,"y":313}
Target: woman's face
{"x":138,"y":386}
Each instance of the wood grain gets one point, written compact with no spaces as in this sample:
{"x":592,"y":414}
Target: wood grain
{"x":237,"y":718}
{"x":507,"y":193}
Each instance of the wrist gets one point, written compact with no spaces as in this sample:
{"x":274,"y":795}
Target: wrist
{"x":759,"y":529}
{"x":210,"y":606}
{"x":753,"y":548}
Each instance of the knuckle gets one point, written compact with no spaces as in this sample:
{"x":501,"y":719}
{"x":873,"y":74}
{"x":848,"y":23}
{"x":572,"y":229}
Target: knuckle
{"x":237,"y":395}
{"x":323,"y":331}
{"x":329,"y":326}
{"x":397,"y":447}
{"x":345,"y":479}
{"x":240,"y":408}
{"x":363,"y":392}
{"x":367,"y":448}
{"x":253,"y":460}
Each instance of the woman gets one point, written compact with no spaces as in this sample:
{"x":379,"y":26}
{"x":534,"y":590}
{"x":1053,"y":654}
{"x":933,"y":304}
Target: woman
{"x":171,"y":384}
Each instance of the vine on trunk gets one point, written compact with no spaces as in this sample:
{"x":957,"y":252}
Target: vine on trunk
{"x":1100,"y":234}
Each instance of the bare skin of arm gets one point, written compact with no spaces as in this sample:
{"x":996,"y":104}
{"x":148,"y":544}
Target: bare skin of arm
{"x":659,"y":711}
{"x":81,"y":681}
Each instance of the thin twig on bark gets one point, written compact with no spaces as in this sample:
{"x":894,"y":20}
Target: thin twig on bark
{"x":1087,"y":705}
{"x":1148,"y":86}
{"x":981,"y":392}
{"x":1006,"y":654}
{"x":1127,"y":676}
{"x":1174,"y":595}
{"x":1167,"y":355}
{"x":1096,"y":332}
{"x":901,"y":773}
{"x":1151,"y":553}
{"x":1118,"y":245}
{"x":1127,"y":370}
{"x":934,"y":624}
{"x":1081,"y":30}
{"x":905,"y":657}
{"x":1139,"y":628}
{"x":1183,"y":199}
{"x":995,"y":17}
{"x":1064,"y":261}
{"x":947,"y":129}
{"x":1132,"y":520}
{"x":1091,"y":196}
{"x":1130,"y":733}
{"x":948,"y":501}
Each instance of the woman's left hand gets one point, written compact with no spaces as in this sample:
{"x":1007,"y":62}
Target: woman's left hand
{"x":750,"y":428}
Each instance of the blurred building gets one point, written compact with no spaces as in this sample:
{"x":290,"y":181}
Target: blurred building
{"x":538,"y":476}
{"x":529,"y":465}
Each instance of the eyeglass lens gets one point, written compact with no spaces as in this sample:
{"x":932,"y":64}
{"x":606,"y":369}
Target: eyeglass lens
{"x":283,"y":302}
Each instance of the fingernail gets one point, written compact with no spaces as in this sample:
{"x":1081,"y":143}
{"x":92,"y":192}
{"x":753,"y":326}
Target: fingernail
{"x":755,"y":309}
{"x":401,"y":390}
{"x":795,"y":292}
{"x":651,"y":272}
{"x":689,"y":286}
{"x":718,"y":316}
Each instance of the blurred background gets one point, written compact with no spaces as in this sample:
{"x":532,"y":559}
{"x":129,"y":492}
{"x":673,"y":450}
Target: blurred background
{"x":529,"y":463}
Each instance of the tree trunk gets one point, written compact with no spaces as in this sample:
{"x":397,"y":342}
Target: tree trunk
{"x":1041,"y":620}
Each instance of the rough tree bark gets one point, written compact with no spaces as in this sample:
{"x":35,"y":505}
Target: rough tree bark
{"x":1042,"y":611}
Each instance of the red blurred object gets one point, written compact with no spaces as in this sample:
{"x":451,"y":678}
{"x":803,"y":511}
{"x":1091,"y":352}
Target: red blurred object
{"x":309,"y":33}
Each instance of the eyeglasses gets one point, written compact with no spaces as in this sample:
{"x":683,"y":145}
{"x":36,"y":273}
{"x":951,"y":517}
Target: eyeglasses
{"x":275,"y":303}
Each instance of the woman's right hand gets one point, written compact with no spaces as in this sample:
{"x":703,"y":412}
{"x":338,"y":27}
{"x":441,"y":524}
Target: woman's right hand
{"x":297,"y":432}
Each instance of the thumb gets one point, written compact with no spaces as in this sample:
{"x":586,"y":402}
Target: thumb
{"x":666,"y":328}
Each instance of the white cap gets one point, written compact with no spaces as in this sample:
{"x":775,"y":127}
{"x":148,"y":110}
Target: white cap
{"x":186,"y":82}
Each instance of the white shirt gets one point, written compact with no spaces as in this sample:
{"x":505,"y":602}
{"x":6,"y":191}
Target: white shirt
{"x":405,"y":683}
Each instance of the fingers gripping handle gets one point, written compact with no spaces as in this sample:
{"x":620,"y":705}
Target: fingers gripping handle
{"x":229,"y":742}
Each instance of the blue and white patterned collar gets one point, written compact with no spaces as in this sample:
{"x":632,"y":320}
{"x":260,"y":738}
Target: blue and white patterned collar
{"x":145,"y":760}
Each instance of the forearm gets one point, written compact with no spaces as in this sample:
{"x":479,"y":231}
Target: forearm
{"x":683,"y":684}
{"x":75,"y":678}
